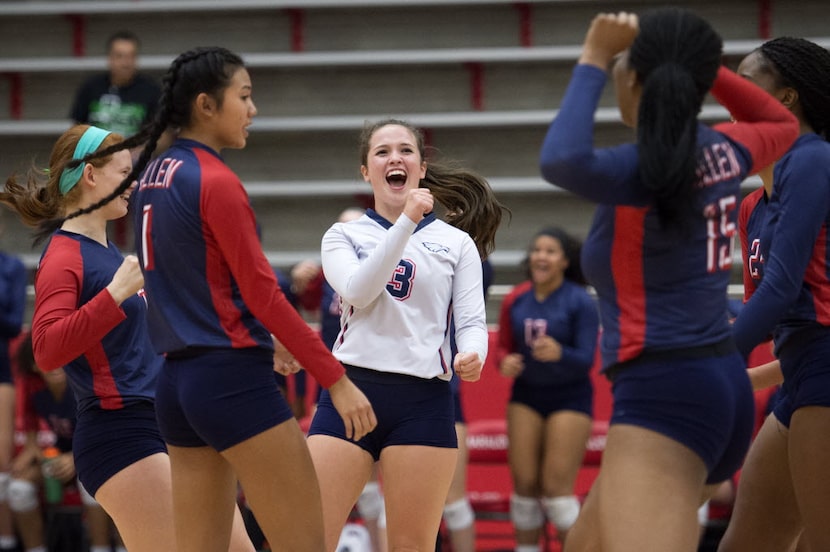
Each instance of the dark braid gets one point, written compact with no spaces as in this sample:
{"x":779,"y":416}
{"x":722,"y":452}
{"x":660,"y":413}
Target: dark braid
{"x":676,"y":57}
{"x":207,"y":70}
{"x":805,"y":66}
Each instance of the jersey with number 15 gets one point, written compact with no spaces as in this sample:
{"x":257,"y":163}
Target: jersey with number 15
{"x":659,"y":289}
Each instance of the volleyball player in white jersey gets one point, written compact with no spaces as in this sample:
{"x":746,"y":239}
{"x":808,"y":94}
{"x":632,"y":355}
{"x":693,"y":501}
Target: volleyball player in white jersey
{"x":402,"y":274}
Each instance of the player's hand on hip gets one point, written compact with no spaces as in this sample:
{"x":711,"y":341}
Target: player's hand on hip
{"x":353,"y":406}
{"x":418,"y":204}
{"x":468,"y":366}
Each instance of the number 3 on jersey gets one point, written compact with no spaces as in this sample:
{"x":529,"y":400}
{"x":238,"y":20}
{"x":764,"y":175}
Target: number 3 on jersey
{"x":146,"y":237}
{"x":400,"y":286}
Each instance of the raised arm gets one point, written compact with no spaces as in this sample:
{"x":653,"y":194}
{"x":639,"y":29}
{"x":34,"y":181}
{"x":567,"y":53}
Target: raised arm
{"x":361,"y":281}
{"x":568,"y":158}
{"x":762,"y":123}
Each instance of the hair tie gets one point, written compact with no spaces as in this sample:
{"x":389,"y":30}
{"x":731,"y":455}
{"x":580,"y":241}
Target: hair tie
{"x":90,"y":141}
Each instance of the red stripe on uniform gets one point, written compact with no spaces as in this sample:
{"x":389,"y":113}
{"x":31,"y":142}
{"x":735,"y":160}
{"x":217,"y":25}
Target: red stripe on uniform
{"x":103,"y":383}
{"x":627,"y":271}
{"x":219,"y":279}
{"x":816,"y":278}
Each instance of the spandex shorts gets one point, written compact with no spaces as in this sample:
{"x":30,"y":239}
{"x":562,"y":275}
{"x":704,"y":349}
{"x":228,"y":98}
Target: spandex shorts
{"x":577,"y":396}
{"x":409,"y":410}
{"x":219,"y":398}
{"x":805,"y":362}
{"x":704,"y":403}
{"x":107,"y":441}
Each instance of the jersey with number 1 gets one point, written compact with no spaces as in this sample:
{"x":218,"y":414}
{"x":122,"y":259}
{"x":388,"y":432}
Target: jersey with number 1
{"x":657,"y":289}
{"x":208,"y":282}
{"x":400,"y":284}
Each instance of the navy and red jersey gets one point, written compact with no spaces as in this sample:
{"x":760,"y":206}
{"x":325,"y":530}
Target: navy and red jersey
{"x":59,"y":413}
{"x":568,"y":314}
{"x":103,"y":347}
{"x":792,"y":292}
{"x":750,"y":224}
{"x":662,"y":290}
{"x":208,"y":282}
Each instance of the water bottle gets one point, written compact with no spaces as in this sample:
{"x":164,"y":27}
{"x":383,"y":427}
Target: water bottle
{"x":53,"y":487}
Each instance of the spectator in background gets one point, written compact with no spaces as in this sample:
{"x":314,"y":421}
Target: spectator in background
{"x":548,"y":330}
{"x":46,"y":397}
{"x":12,"y":306}
{"x":122,"y":99}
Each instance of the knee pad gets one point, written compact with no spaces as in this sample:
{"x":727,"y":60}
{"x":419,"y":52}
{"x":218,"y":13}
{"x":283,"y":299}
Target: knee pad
{"x":562,"y":511}
{"x":526,"y":512}
{"x":86,"y":498}
{"x":703,"y":514}
{"x":5,"y":479}
{"x":459,"y":514}
{"x":370,"y":502}
{"x":22,"y":496}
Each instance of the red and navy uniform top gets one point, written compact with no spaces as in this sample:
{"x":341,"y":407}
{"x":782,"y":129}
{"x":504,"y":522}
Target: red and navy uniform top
{"x":59,"y":413}
{"x":660,"y":290}
{"x":103,"y":347}
{"x":791,"y":287}
{"x":208,"y":282}
{"x":568,"y":314}
{"x":750,"y":224}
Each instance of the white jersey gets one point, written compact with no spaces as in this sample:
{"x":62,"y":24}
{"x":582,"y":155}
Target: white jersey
{"x":400,"y":285}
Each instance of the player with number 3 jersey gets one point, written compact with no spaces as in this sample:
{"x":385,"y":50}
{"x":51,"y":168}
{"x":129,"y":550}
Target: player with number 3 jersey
{"x":403,"y":277}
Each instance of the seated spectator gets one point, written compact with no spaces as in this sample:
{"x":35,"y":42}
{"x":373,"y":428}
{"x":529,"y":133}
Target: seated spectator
{"x":46,"y":397}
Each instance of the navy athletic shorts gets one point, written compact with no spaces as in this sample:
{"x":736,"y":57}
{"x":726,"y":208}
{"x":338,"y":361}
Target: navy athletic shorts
{"x":706,"y":404}
{"x":219,"y":398}
{"x":805,"y":363}
{"x":548,"y":399}
{"x":107,"y":441}
{"x":410,"y":411}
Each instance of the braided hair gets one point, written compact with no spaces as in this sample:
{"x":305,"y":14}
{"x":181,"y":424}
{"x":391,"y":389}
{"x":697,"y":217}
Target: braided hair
{"x":201,"y":70}
{"x":467,"y":196}
{"x":676,"y":57}
{"x":805,"y":66}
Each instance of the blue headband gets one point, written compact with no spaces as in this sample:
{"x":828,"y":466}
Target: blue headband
{"x":89,"y":142}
